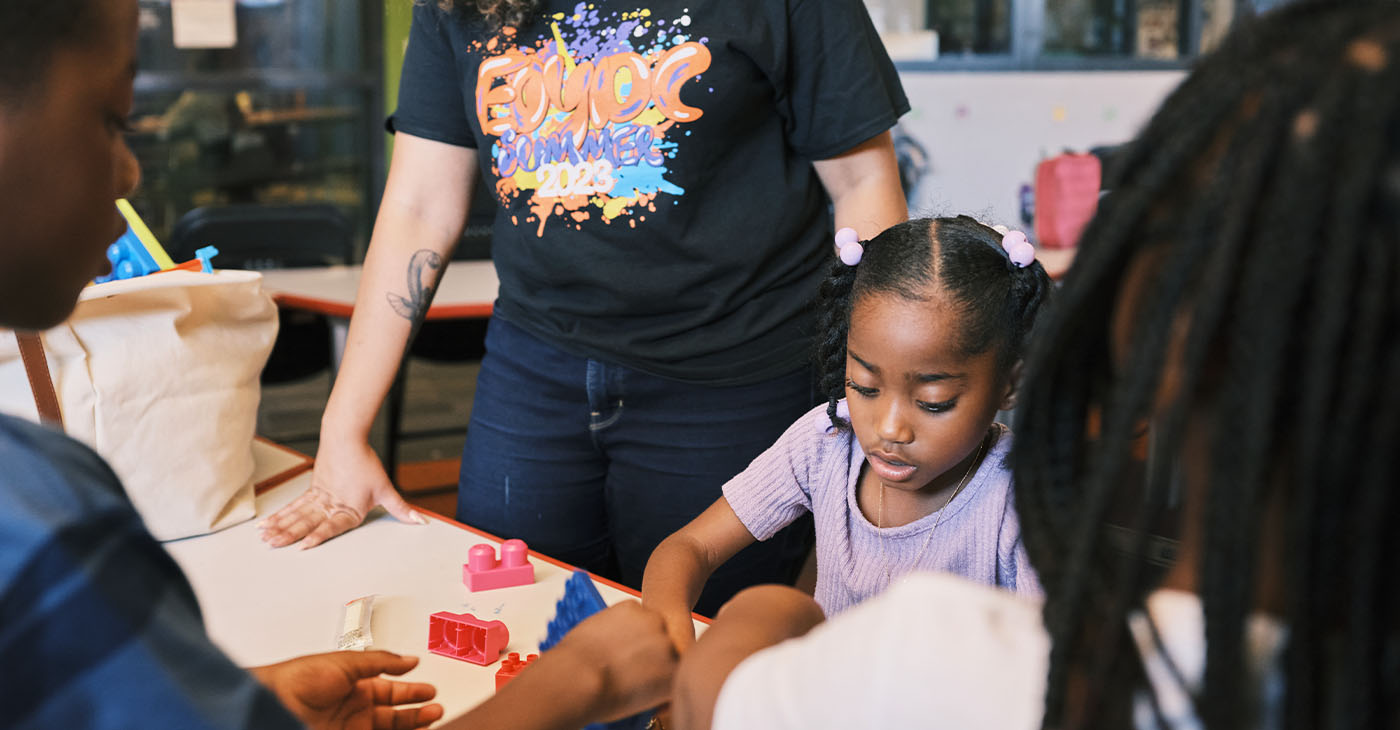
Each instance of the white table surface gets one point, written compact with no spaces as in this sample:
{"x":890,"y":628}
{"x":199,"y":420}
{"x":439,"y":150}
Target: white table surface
{"x":468,"y":289}
{"x":264,"y":605}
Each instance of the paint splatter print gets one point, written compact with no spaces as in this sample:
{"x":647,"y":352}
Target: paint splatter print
{"x":585,"y":121}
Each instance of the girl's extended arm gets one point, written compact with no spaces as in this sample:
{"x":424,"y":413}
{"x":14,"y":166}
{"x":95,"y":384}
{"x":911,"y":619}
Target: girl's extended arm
{"x":420,"y":221}
{"x":681,"y":564}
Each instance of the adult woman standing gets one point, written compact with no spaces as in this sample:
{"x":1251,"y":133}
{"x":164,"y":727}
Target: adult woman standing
{"x":663,"y":172}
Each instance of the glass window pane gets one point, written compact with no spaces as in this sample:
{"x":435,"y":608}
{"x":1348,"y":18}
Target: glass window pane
{"x":1131,"y":28}
{"x":970,"y":26}
{"x":922,"y":30}
{"x":285,"y":35}
{"x":199,"y":148}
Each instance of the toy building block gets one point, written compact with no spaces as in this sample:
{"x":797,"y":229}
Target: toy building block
{"x":137,"y":252}
{"x":129,"y":259}
{"x":581,"y":600}
{"x":466,"y":637}
{"x":511,"y":666}
{"x":483,"y":572}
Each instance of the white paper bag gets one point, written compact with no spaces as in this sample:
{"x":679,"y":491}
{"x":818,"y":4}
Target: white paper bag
{"x":159,"y":375}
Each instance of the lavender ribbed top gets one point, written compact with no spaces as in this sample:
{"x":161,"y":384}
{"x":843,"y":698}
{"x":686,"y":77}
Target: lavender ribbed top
{"x":814,"y":468}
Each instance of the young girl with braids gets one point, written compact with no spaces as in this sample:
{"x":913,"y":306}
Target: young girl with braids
{"x":904,"y":467}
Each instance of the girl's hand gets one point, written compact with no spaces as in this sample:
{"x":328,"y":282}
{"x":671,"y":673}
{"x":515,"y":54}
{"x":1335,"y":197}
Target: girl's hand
{"x":680,"y":628}
{"x":347,"y":482}
{"x":755,"y":619}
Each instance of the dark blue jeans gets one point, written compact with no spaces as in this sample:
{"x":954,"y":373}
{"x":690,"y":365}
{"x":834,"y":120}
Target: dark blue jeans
{"x":595,"y":464}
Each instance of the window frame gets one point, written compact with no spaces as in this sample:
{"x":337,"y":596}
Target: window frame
{"x":1028,"y":41}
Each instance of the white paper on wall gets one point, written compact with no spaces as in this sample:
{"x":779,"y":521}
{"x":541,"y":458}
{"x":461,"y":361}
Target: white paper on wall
{"x":203,"y":23}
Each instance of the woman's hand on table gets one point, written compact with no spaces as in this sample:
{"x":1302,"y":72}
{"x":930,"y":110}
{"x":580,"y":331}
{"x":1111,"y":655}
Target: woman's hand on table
{"x":346,"y":483}
{"x":344,"y":689}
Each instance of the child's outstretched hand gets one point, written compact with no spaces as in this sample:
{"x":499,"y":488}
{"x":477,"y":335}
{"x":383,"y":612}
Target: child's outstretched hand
{"x":343,"y":690}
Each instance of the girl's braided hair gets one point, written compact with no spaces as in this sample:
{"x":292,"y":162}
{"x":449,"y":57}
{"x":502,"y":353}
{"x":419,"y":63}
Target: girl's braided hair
{"x":1263,"y":203}
{"x":998,"y":301}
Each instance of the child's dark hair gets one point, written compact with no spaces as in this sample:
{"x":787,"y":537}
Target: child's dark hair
{"x":30,"y":32}
{"x":964,"y":260}
{"x":1263,"y":201}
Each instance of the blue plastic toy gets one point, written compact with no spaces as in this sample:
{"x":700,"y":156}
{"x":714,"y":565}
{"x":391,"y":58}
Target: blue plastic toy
{"x":204,"y":255}
{"x":137,"y":252}
{"x":581,"y":600}
{"x":129,"y":258}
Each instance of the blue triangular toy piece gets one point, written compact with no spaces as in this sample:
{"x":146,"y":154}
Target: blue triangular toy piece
{"x":581,"y":600}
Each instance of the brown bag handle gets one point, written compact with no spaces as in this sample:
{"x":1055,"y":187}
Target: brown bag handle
{"x":36,"y":367}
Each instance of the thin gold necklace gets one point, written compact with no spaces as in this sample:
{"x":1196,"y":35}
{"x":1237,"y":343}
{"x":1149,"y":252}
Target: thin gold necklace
{"x":880,"y":518}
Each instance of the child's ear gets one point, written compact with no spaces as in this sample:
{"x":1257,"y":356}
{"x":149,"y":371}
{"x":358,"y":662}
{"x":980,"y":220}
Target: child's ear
{"x":1013,"y":386}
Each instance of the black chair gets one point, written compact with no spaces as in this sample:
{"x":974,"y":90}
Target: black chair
{"x":274,"y":237}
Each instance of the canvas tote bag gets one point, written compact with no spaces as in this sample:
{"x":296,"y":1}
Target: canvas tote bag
{"x":159,"y":375}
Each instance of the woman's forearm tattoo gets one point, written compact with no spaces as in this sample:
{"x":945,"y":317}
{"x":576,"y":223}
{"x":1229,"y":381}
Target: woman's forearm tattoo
{"x":422,"y":282}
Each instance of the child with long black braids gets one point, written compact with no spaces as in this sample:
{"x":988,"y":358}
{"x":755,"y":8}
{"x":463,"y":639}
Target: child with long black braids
{"x":1235,"y":303}
{"x":904,"y":467}
{"x":1241,"y":293}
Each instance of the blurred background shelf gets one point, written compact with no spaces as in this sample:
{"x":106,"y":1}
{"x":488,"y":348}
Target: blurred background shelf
{"x":291,"y":114}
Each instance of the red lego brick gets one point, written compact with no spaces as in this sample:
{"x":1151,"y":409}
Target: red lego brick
{"x":466,"y":637}
{"x":482,"y":572}
{"x":511,"y":666}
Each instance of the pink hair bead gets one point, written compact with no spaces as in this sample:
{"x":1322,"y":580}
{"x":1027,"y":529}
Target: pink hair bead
{"x":1018,"y":249}
{"x":848,"y":246}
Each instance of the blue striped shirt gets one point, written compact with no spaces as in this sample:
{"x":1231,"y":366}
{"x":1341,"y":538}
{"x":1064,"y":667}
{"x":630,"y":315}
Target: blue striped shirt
{"x":98,"y":626}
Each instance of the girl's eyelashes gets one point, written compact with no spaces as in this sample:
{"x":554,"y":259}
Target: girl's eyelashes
{"x":938,"y":407}
{"x":861,"y":389}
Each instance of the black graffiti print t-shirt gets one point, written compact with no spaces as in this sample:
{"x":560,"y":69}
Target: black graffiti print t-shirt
{"x":653,"y":165}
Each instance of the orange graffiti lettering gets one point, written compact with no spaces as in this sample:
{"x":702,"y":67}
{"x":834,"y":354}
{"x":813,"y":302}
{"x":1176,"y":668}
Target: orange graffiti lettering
{"x":677,"y":66}
{"x":515,"y":90}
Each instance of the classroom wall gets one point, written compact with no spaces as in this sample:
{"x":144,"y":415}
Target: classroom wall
{"x":985,"y":131}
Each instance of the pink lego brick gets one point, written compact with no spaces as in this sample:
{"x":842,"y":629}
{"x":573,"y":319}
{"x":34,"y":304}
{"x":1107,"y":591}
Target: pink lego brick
{"x":466,"y":637}
{"x":511,"y":666}
{"x":483,"y":572}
